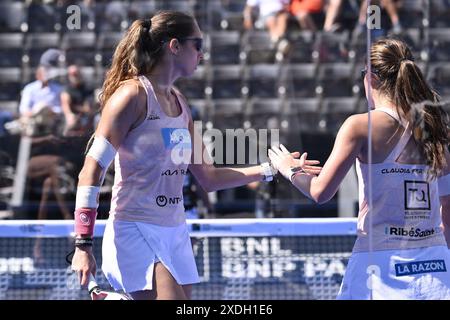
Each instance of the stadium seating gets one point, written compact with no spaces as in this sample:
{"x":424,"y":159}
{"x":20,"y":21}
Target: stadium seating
{"x":13,"y":17}
{"x":302,"y":47}
{"x":262,"y":80}
{"x":257,"y":47}
{"x":303,"y":114}
{"x":106,"y":42}
{"x":226,"y":81}
{"x":10,"y":83}
{"x":224,"y":47}
{"x":37,"y":43}
{"x":336,"y":110}
{"x":440,"y":44}
{"x":336,"y":79}
{"x":300,"y":80}
{"x":263,"y":114}
{"x":115,"y":15}
{"x":12,"y":46}
{"x":439,"y":76}
{"x":43,"y":17}
{"x":79,"y":48}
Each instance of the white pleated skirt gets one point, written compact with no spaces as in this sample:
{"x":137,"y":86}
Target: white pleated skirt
{"x":131,"y":249}
{"x":413,"y":274}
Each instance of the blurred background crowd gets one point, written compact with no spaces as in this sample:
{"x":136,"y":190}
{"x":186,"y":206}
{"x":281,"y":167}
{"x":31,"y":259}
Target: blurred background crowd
{"x":292,"y":65}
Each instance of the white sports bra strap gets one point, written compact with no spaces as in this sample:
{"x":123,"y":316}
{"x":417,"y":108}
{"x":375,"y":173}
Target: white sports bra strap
{"x":404,"y":139}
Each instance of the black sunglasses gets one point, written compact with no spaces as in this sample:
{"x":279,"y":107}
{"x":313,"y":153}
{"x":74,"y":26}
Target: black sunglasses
{"x":198,"y":42}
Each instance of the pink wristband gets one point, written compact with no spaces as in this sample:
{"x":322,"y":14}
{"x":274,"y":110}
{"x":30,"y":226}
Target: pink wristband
{"x":85,"y":220}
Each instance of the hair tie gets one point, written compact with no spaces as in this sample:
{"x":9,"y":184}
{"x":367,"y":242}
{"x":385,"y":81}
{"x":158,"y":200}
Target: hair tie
{"x":146,"y":24}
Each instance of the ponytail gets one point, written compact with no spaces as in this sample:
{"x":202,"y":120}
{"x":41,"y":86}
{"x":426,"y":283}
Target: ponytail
{"x":429,"y":120}
{"x":141,"y":48}
{"x":401,"y":80}
{"x":431,"y":132}
{"x":131,"y":58}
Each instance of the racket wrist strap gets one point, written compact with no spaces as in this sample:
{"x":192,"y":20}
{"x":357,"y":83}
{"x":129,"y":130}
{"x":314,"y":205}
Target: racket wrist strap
{"x":84,"y":242}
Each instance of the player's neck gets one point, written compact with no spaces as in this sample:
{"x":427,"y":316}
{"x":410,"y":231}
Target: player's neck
{"x":162,"y":78}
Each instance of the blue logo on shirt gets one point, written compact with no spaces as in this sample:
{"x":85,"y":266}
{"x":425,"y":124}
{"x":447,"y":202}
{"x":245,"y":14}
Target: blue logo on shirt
{"x":179,"y":137}
{"x":405,"y":269}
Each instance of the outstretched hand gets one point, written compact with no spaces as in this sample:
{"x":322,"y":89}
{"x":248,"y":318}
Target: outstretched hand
{"x":283,"y":161}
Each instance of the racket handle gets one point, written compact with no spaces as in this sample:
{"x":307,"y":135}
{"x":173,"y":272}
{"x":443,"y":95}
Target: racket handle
{"x":92,"y":283}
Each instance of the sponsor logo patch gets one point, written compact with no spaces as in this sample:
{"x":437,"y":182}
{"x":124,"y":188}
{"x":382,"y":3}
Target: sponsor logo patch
{"x":173,"y":137}
{"x":162,"y":200}
{"x":153,"y":116}
{"x":404,"y":269}
{"x":84,"y":218}
{"x":417,"y":195}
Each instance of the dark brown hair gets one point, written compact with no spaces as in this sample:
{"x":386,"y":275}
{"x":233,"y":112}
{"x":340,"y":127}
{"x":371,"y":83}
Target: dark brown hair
{"x":401,"y":80}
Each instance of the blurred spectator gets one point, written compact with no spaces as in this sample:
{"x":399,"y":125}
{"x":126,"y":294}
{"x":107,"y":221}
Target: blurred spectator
{"x":274,"y":15}
{"x":302,"y":11}
{"x":51,"y":171}
{"x":331,"y":13}
{"x":391,"y":9}
{"x":40,"y":109}
{"x":44,"y":92}
{"x":77,"y":104}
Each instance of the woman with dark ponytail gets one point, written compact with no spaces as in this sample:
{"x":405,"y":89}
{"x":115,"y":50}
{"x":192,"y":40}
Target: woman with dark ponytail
{"x":147,"y":129}
{"x":402,"y":235}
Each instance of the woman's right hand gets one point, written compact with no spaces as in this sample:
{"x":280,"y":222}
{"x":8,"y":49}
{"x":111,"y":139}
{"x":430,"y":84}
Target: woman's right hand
{"x":83,"y":262}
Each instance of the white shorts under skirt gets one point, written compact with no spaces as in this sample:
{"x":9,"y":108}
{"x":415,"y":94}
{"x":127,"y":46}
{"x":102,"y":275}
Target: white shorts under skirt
{"x":131,"y":249}
{"x":414,"y":274}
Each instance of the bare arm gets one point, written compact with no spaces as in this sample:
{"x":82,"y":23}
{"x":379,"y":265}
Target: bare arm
{"x":347,"y":146}
{"x":212,"y":178}
{"x":65,"y":105}
{"x":445,"y":206}
{"x":25,"y":102}
{"x":445,"y":212}
{"x":248,"y":20}
{"x":118,"y":117}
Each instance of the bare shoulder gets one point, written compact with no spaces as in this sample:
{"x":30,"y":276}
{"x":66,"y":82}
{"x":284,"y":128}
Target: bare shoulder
{"x":130,"y":94}
{"x":356,"y":125}
{"x":129,"y":90}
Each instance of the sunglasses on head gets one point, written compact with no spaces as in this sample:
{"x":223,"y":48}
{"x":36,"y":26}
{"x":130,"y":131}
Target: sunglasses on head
{"x":198,"y":42}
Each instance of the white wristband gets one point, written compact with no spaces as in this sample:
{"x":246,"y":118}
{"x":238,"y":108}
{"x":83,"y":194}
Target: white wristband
{"x":294,"y":172}
{"x":87,"y":197}
{"x":266,"y":171}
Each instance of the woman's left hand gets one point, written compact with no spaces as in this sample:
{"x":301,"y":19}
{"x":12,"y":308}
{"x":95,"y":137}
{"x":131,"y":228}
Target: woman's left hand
{"x":283,"y":161}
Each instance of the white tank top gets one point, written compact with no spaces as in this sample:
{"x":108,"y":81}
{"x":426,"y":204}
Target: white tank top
{"x":406,"y":207}
{"x":150,"y":166}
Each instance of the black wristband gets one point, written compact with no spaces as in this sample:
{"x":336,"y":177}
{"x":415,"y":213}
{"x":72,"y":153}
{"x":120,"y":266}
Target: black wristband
{"x":84,"y":242}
